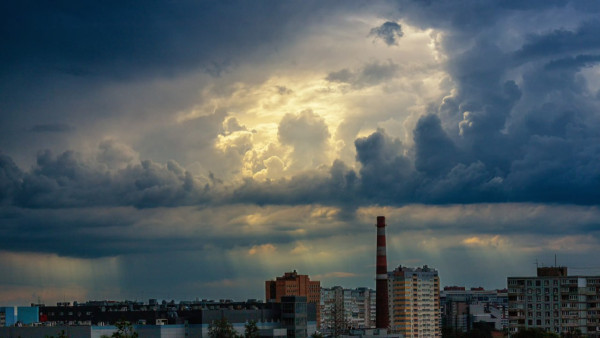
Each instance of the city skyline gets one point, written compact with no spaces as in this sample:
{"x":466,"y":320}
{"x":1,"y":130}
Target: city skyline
{"x":193,"y":149}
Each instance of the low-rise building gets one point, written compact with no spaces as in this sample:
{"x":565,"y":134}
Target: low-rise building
{"x":168,"y":319}
{"x":462,"y":308}
{"x":7,"y":316}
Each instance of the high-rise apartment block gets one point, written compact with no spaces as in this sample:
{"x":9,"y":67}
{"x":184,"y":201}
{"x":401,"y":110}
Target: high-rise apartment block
{"x":293,"y":284}
{"x":344,"y":309}
{"x":361,"y":305}
{"x":555,"y":302}
{"x":414,"y":301}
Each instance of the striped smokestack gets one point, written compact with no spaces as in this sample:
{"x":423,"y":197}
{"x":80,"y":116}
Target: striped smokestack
{"x":382,"y":319}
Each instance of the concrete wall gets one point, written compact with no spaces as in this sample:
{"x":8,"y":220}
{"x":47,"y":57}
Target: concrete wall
{"x":44,"y":331}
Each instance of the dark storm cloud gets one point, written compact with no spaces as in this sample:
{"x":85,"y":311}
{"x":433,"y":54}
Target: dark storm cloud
{"x":52,"y":128}
{"x":97,"y":232}
{"x":520,"y":125}
{"x":385,"y":172}
{"x":499,"y":137}
{"x":131,"y":40}
{"x":62,"y":61}
{"x":67,"y":180}
{"x":560,"y":42}
{"x":435,"y":153}
{"x":389,"y":32}
{"x":10,"y":178}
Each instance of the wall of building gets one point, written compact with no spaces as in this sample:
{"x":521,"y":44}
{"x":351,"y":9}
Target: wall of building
{"x":7,"y":316}
{"x":414,"y":298}
{"x":44,"y":332}
{"x":28,"y":314}
{"x":294,"y":284}
{"x":555,"y":302}
{"x":462,"y":308}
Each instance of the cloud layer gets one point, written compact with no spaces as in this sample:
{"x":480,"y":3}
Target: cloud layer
{"x":267,"y":137}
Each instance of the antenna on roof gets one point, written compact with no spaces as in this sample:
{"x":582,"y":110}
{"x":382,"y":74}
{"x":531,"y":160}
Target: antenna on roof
{"x":536,"y":263}
{"x":555,"y":261}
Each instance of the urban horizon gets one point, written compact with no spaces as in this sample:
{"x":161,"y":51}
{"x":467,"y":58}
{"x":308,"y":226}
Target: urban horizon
{"x":176,"y":150}
{"x":259,"y":299}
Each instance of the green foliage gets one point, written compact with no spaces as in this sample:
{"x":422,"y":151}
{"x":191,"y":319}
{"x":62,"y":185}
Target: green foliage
{"x":533,"y":333}
{"x":449,"y":332}
{"x":575,"y":334}
{"x":221,"y":328}
{"x":124,"y":330}
{"x":317,"y":335}
{"x":251,"y":330}
{"x":62,"y":334}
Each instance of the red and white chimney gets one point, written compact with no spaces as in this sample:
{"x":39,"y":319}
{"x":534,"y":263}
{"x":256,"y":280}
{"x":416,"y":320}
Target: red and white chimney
{"x":382,"y":320}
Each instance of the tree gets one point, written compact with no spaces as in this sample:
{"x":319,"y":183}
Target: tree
{"x":573,"y":334}
{"x":335,"y":322}
{"x":533,"y":333}
{"x":124,"y":330}
{"x":317,"y":335}
{"x":251,"y":330}
{"x":221,"y":328}
{"x":62,"y":334}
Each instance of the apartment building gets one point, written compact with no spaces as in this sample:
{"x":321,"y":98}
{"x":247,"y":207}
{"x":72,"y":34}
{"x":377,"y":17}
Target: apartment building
{"x":462,"y":308}
{"x":555,"y":302}
{"x":294,"y":284}
{"x":345,"y":309}
{"x":414,"y":301}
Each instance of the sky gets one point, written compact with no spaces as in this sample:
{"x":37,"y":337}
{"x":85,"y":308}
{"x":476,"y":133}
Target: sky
{"x":195,"y":149}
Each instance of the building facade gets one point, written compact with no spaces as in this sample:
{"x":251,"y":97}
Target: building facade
{"x":294,"y":284}
{"x":346,"y":309}
{"x":555,"y":302}
{"x":7,"y":316}
{"x":293,"y":316}
{"x":414,"y":302}
{"x":167,"y":319}
{"x":462,"y":308}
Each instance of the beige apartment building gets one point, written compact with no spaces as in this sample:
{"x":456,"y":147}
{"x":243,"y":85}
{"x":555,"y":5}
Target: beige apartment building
{"x":414,"y":302}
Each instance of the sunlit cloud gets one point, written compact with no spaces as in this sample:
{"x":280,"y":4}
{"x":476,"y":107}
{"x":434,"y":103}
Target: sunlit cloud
{"x":262,"y":249}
